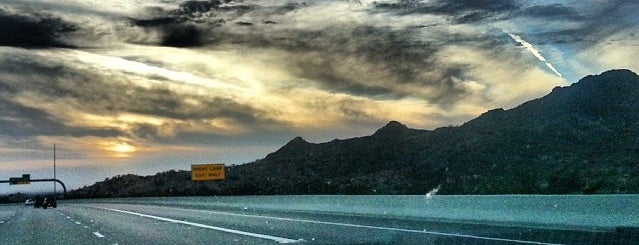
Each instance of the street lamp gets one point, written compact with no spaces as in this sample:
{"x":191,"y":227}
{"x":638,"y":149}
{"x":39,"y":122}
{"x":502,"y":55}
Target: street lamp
{"x":55,"y":193}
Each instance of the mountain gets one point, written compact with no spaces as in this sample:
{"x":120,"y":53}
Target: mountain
{"x":579,"y":139}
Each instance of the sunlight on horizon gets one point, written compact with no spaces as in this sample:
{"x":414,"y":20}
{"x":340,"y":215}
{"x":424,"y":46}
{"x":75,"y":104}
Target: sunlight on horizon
{"x":122,"y":149}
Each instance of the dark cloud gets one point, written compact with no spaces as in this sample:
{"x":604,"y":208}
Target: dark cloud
{"x":108,"y":99}
{"x":289,"y":7}
{"x":464,"y":11}
{"x":370,"y":60}
{"x":181,"y":36}
{"x":373,"y":61}
{"x":191,"y":7}
{"x":19,"y":120}
{"x":100,"y":95}
{"x":472,"y":17}
{"x":185,"y":11}
{"x":175,"y":30}
{"x":33,"y":31}
{"x":166,"y":103}
{"x":323,"y":54}
{"x":187,"y":26}
{"x":195,"y":23}
{"x":616,"y":17}
{"x":357,"y":59}
{"x":243,"y":23}
{"x":457,"y":6}
{"x":170,"y":20}
{"x":361,"y":60}
{"x":551,"y":11}
{"x":196,"y":8}
{"x":595,"y":25}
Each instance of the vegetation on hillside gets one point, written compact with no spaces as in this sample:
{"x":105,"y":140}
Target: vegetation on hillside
{"x":581,"y":139}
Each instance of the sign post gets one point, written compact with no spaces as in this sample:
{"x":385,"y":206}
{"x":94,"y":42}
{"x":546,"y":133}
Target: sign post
{"x":26,"y":179}
{"x":205,"y":172}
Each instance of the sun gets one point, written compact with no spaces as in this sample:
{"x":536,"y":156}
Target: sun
{"x":122,"y":147}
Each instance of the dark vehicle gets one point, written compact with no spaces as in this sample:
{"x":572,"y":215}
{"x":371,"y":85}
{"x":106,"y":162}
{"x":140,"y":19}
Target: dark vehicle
{"x":49,"y":202}
{"x":45,"y":202}
{"x":39,"y":202}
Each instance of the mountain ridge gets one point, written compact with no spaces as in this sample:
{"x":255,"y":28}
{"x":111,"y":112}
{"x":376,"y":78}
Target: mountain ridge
{"x":578,"y":139}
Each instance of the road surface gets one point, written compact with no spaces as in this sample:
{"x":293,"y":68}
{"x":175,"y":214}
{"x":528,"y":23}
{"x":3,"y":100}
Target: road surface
{"x":125,"y":223}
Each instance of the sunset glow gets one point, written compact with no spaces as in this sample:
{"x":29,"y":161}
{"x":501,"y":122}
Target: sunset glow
{"x":123,"y":147}
{"x":138,"y":83}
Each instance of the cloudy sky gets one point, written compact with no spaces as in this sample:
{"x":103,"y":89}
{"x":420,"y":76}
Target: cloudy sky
{"x":143,"y":86}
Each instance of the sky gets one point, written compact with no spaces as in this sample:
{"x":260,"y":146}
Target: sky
{"x":146,"y":86}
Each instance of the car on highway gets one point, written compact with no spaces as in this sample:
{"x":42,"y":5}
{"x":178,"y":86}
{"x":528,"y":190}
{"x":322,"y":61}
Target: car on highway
{"x":29,"y":202}
{"x":39,"y":201}
{"x":44,"y":202}
{"x":49,"y":202}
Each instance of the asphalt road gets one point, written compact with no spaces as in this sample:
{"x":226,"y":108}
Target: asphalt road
{"x":114,"y":223}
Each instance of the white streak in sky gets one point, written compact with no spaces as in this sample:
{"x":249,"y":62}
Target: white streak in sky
{"x":534,"y":51}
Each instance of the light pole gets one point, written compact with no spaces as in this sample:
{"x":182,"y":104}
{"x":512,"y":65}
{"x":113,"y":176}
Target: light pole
{"x":55,"y":193}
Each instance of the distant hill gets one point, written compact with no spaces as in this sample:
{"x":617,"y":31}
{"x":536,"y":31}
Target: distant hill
{"x":581,"y":139}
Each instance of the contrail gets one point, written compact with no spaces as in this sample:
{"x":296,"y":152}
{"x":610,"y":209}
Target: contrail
{"x":534,"y":51}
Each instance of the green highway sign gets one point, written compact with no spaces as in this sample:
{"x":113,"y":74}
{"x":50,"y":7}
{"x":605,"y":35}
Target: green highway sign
{"x":24,"y":180}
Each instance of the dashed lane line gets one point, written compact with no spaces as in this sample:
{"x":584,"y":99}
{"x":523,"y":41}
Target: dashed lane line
{"x":244,"y":233}
{"x":97,"y":234}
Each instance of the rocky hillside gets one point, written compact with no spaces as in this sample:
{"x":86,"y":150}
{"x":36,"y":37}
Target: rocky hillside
{"x":579,"y":139}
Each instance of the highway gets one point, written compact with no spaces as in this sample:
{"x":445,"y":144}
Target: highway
{"x":152,"y":223}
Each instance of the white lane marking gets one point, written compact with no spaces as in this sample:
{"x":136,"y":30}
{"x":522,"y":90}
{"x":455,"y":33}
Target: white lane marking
{"x":274,"y":238}
{"x":377,"y":227}
{"x":98,"y":234}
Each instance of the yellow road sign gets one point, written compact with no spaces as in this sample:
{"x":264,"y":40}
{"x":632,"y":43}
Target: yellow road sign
{"x":207,"y":172}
